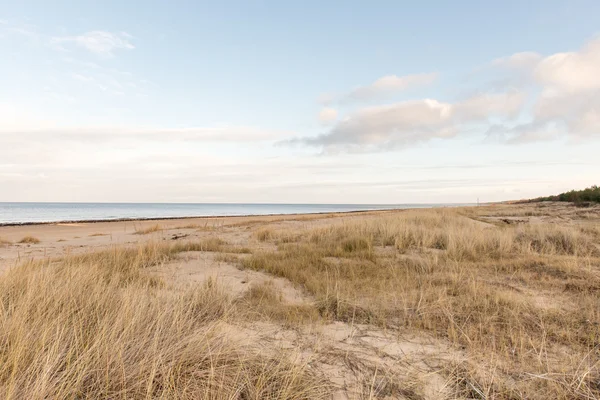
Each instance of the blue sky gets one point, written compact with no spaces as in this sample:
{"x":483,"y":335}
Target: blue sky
{"x":352,"y":102}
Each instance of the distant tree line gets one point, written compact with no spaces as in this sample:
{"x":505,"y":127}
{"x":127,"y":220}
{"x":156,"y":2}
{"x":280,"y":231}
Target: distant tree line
{"x":591,"y":194}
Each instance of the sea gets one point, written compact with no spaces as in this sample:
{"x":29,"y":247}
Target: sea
{"x":27,"y":213}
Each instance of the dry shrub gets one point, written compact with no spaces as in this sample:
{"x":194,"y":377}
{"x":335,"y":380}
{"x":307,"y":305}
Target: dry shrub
{"x":213,"y":244}
{"x":279,"y":236}
{"x":4,"y":242}
{"x":29,"y":240}
{"x":264,"y":234}
{"x":264,"y":293}
{"x":205,"y":227}
{"x":149,"y":229}
{"x":96,"y":327}
{"x":266,"y":300}
{"x":553,"y":239}
{"x":208,"y":244}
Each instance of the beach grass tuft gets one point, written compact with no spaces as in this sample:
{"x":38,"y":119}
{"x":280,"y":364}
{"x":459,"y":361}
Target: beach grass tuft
{"x":149,"y":229}
{"x":29,"y":240}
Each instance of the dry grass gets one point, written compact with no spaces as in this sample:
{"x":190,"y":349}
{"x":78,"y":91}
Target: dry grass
{"x":98,"y":234}
{"x":278,"y":236}
{"x":149,"y":229}
{"x":4,"y":242}
{"x":518,"y":303}
{"x":97,"y":326}
{"x":212,"y":244}
{"x":205,"y":227}
{"x":266,"y":301}
{"x":228,"y":258}
{"x":264,"y":234}
{"x":472,"y":283}
{"x":29,"y":240}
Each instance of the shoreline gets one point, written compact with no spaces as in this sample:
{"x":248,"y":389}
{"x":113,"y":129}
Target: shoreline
{"x":146,"y":219}
{"x":37,"y":240}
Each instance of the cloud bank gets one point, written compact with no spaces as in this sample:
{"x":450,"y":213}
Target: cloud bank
{"x":559,"y":97}
{"x":410,"y":122}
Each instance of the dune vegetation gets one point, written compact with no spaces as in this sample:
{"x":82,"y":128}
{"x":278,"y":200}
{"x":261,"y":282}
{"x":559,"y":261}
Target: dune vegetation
{"x":522,"y":300}
{"x":506,"y":298}
{"x":29,"y":240}
{"x":591,"y":194}
{"x":148,"y":229}
{"x":96,"y":326}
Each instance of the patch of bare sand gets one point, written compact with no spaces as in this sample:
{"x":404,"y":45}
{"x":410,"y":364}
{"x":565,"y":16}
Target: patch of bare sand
{"x":196,"y":266}
{"x":361,"y":361}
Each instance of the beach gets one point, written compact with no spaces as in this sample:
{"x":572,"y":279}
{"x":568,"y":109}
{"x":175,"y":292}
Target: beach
{"x":63,"y":238}
{"x":395,"y":304}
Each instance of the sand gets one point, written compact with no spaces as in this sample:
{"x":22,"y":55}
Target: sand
{"x":344,"y":352}
{"x":58,"y":239}
{"x":357,"y":359}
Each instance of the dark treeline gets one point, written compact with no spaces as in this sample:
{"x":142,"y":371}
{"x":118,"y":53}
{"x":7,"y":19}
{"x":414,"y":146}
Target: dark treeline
{"x":591,"y":194}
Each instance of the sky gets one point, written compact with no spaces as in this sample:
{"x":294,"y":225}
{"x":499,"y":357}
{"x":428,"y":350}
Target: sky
{"x":298,"y":102}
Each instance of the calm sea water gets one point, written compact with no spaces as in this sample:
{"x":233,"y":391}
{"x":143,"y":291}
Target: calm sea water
{"x":14,"y":213}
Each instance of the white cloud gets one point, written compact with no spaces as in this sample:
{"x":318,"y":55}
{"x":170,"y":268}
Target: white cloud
{"x":485,"y":105}
{"x":328,"y":115}
{"x":98,"y":42}
{"x":381,"y":88}
{"x":572,"y":71}
{"x":560,"y":98}
{"x":410,"y":122}
{"x":568,"y":103}
{"x":387,"y":85}
{"x":523,"y":60}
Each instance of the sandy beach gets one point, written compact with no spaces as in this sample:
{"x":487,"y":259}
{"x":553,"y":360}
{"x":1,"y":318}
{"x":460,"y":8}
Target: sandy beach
{"x":299,"y":201}
{"x":405,"y":304}
{"x":59,"y":239}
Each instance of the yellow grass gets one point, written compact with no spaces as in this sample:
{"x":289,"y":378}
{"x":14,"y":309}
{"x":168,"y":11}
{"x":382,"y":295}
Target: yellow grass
{"x":279,"y":236}
{"x":264,"y":234}
{"x":516,"y":303}
{"x":205,"y":227}
{"x":481,"y":286}
{"x":265,"y":300}
{"x":97,"y":326}
{"x":4,"y":242}
{"x":29,"y":240}
{"x":149,"y":229}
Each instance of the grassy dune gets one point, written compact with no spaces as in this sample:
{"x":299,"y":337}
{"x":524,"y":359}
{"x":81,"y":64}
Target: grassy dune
{"x":483,"y":287}
{"x":519,"y":302}
{"x":97,"y":327}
